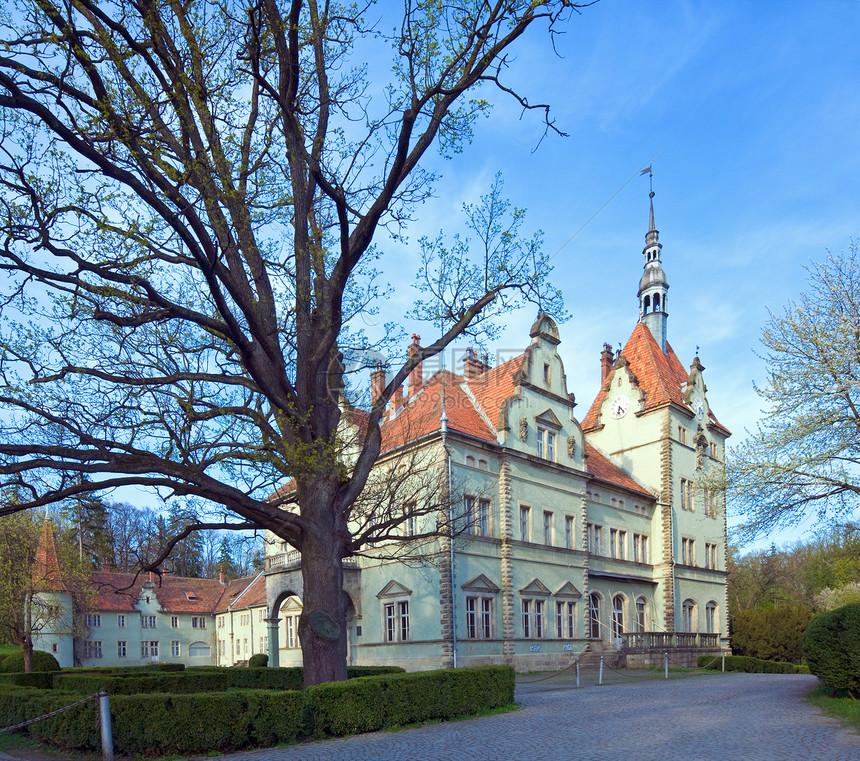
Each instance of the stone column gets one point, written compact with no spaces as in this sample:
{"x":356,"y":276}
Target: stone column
{"x":665,"y":505}
{"x":507,"y":560}
{"x":274,"y":649}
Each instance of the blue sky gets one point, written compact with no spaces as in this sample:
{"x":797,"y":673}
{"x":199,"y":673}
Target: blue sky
{"x":751,"y":112}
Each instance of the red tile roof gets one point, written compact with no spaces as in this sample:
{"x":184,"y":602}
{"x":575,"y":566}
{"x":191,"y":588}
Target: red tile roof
{"x":46,"y":569}
{"x":660,"y":376}
{"x":238,"y":594}
{"x":602,"y":468}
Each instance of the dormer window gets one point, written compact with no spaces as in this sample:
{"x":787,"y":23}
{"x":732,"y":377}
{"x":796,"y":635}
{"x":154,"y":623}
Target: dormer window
{"x":191,"y":596}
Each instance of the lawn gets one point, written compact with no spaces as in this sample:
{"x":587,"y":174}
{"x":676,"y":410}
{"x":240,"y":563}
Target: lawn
{"x":8,"y":650}
{"x":840,"y":707}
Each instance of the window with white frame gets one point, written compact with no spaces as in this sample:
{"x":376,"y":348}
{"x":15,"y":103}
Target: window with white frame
{"x":245,"y":645}
{"x":568,"y":531}
{"x":594,"y":532}
{"x":525,"y":523}
{"x":533,"y":618}
{"x":291,"y":629}
{"x":640,"y":548}
{"x":92,"y":648}
{"x":174,"y":648}
{"x":688,"y":551}
{"x":260,"y":614}
{"x":688,"y":615}
{"x":93,"y":620}
{"x":618,"y":543}
{"x":547,"y":527}
{"x":710,"y":503}
{"x":238,"y":647}
{"x":148,"y":622}
{"x":619,"y":608}
{"x":222,"y":647}
{"x":711,"y":617}
{"x":221,"y":622}
{"x":264,"y":644}
{"x":121,"y":648}
{"x":149,"y":648}
{"x":396,"y":621}
{"x":478,"y":511}
{"x":174,"y":622}
{"x":479,"y":617}
{"x":594,"y":615}
{"x":710,"y":556}
{"x":565,"y":619}
{"x":198,"y":622}
{"x":682,"y":435}
{"x":687,"y":495}
{"x":409,"y":526}
{"x":546,"y":444}
{"x":120,"y":621}
{"x":641,"y":622}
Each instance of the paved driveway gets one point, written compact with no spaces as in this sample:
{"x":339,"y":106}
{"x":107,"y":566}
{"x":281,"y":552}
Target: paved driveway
{"x":724,"y":717}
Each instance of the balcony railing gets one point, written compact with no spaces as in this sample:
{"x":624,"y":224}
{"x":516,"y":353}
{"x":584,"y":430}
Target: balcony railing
{"x":644,"y":641}
{"x":288,"y":561}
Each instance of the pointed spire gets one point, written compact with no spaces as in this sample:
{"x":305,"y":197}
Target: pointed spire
{"x":653,"y":286}
{"x":46,"y":569}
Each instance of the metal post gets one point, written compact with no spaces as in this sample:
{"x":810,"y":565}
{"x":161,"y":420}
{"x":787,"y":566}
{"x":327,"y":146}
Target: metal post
{"x":600,"y":676}
{"x":666,"y":664}
{"x":723,"y":658}
{"x":105,"y":726}
{"x":577,"y":671}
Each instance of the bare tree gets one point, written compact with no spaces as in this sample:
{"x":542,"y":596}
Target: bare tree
{"x":190,"y":195}
{"x":804,"y":458}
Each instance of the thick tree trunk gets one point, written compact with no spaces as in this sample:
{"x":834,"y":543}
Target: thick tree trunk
{"x":27,"y":647}
{"x":322,"y":625}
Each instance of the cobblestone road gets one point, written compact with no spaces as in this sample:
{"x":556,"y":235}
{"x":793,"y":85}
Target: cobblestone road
{"x":726,"y":717}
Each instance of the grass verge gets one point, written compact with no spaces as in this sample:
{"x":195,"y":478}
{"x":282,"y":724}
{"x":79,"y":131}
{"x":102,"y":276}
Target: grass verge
{"x":840,"y":706}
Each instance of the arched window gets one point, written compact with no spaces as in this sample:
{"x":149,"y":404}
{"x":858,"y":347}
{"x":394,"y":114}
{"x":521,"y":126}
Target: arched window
{"x":618,"y":606}
{"x":688,"y":616}
{"x":711,"y":617}
{"x":641,"y":609}
{"x":594,"y":615}
{"x":646,"y":305}
{"x":200,"y":649}
{"x":470,"y":461}
{"x":656,"y":302}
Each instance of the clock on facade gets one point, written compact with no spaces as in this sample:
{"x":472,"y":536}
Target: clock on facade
{"x":699,"y":408}
{"x":620,"y":405}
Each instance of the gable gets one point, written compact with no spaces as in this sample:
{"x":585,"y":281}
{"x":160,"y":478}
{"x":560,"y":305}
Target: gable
{"x":394,"y":589}
{"x":535,"y":588}
{"x":548,"y":418}
{"x":567,"y":590}
{"x":481,"y":584}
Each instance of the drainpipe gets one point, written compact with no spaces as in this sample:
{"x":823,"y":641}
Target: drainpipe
{"x":444,"y":431}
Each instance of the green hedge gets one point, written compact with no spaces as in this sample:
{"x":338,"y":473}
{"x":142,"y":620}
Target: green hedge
{"x":831,"y":647}
{"x":130,"y":670}
{"x":42,"y":661}
{"x":44,"y":680}
{"x":750,"y":665}
{"x":159,"y":724}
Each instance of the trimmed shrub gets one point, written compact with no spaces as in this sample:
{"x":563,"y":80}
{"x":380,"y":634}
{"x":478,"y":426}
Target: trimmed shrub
{"x":831,"y":647}
{"x":749,"y":665}
{"x":775,"y":634}
{"x":43,"y":680}
{"x":138,"y":684}
{"x":42,"y":661}
{"x":159,"y":724}
{"x":258,"y":661}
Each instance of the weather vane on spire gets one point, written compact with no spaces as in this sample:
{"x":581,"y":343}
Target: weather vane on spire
{"x":647,"y":170}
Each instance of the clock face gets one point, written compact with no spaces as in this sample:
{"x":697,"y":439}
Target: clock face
{"x":620,"y":405}
{"x":699,"y":408}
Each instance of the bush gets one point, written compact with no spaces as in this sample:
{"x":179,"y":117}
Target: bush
{"x":159,"y":724}
{"x":831,"y":647}
{"x":42,"y":661}
{"x":258,"y":661}
{"x":774,"y":634}
{"x":43,"y":680}
{"x":749,"y":665}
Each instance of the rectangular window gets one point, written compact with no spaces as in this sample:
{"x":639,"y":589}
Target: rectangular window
{"x":640,"y":548}
{"x":148,"y":622}
{"x":93,"y":620}
{"x":220,"y":622}
{"x":260,"y":614}
{"x":527,"y":618}
{"x":149,"y":649}
{"x":565,"y":620}
{"x":686,"y":495}
{"x":479,"y":617}
{"x":533,"y":619}
{"x":525,"y":523}
{"x":617,"y":543}
{"x":198,"y":622}
{"x":222,"y":647}
{"x":120,"y":621}
{"x":546,"y":444}
{"x":396,"y":616}
{"x":174,"y":648}
{"x":688,"y":551}
{"x":539,"y":609}
{"x":291,"y":631}
{"x":92,"y":648}
{"x":264,"y":644}
{"x":238,"y":647}
{"x":710,"y":556}
{"x":682,"y":434}
{"x":174,"y":622}
{"x":410,"y":520}
{"x":245,"y":644}
{"x":121,"y":648}
{"x":595,"y":538}
{"x":547,"y":527}
{"x":478,"y":512}
{"x":568,"y":531}
{"x":710,"y":503}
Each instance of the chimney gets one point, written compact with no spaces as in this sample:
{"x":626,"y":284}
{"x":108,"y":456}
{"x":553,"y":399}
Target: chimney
{"x":606,"y":360}
{"x":415,"y":378}
{"x":473,"y":365}
{"x":377,"y":383}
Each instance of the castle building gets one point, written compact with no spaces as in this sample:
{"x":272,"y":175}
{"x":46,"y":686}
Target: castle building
{"x":605,"y":534}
